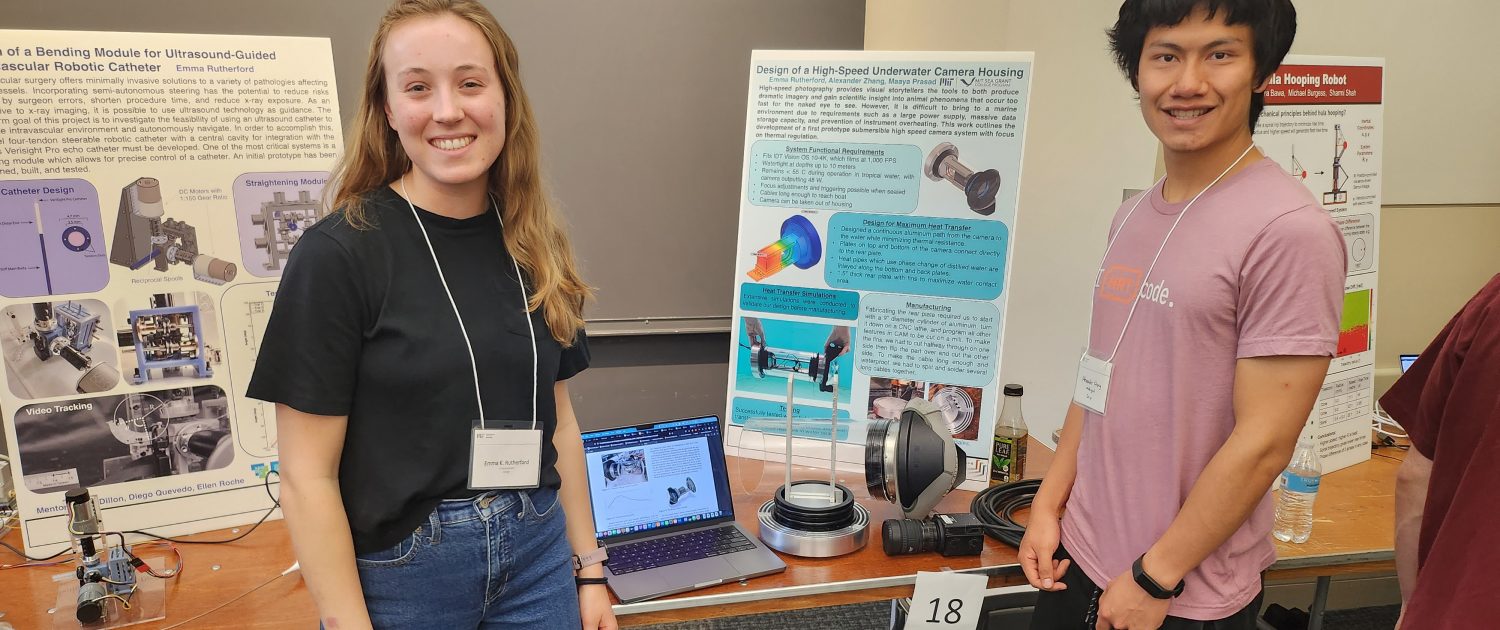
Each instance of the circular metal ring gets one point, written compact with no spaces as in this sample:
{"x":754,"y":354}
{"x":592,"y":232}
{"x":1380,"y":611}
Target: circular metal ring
{"x":814,"y":544}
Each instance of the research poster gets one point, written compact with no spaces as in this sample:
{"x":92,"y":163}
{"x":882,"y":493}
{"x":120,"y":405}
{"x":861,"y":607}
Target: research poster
{"x":877,"y":219}
{"x":1323,"y":124}
{"x":151,"y":187}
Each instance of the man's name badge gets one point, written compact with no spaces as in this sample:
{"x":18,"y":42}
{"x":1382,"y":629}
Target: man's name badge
{"x":1092,"y":389}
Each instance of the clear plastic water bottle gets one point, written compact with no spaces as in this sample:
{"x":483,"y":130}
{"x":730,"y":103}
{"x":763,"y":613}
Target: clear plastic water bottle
{"x":1299,"y":487}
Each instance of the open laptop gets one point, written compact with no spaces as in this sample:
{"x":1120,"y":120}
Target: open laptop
{"x":1406,"y":361}
{"x":662,"y":504}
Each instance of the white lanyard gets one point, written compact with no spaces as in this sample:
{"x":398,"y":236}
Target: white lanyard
{"x":1136,"y":302}
{"x":473,"y":364}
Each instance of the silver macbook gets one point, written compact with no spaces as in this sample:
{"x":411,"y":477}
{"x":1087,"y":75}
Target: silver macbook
{"x":662,"y":504}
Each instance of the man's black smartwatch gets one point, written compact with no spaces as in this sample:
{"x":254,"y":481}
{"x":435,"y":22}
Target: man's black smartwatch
{"x":1149,"y":585}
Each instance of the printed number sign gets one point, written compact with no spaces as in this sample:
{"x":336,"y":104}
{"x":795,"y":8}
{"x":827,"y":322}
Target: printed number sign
{"x":946,"y":600}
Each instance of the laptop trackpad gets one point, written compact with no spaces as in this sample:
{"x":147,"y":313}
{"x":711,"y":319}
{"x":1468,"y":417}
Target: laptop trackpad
{"x":696,"y":573}
{"x":701,"y":573}
{"x":755,"y":562}
{"x":674,"y":578}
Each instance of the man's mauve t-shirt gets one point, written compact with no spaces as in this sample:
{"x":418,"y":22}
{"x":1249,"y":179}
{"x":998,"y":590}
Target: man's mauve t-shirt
{"x":1255,"y":269}
{"x":1449,"y":403}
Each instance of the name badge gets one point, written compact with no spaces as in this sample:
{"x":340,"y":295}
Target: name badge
{"x":1092,"y":389}
{"x":504,"y":459}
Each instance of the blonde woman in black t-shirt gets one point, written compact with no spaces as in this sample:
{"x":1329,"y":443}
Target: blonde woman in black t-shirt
{"x":437,"y":304}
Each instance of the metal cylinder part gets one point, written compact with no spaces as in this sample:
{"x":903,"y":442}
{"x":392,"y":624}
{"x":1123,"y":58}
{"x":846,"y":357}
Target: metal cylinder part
{"x":91,"y":602}
{"x":814,"y":544}
{"x":204,"y":443}
{"x":933,"y":166}
{"x":148,"y":189}
{"x":101,"y":377}
{"x":148,"y":193}
{"x":210,"y":269}
{"x":75,"y":358}
{"x":954,"y":171}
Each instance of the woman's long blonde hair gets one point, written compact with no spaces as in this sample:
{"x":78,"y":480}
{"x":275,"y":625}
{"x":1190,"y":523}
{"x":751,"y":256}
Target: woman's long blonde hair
{"x":533,"y":234}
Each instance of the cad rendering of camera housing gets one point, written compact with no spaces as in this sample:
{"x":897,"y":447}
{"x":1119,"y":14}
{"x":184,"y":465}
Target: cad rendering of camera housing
{"x":979,"y":188}
{"x":912,"y":461}
{"x":958,"y":534}
{"x":679,"y":493}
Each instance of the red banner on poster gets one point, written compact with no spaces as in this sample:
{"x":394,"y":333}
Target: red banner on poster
{"x":1325,"y":85}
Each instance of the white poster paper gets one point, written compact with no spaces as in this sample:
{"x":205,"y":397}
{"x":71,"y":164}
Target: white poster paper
{"x":877,"y":220}
{"x":1323,"y":123}
{"x":151,"y":186}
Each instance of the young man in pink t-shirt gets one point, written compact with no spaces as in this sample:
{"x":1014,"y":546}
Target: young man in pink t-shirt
{"x":1214,"y":319}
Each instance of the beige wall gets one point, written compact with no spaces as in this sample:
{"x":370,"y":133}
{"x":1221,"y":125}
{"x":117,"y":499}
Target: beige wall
{"x":1432,"y":260}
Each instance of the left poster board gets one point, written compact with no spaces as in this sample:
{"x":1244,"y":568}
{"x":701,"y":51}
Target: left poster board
{"x":151,"y":186}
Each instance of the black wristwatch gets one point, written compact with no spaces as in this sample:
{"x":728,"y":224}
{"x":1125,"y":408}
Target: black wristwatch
{"x":1150,"y":586}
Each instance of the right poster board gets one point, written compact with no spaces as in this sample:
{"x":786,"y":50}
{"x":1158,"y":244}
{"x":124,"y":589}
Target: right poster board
{"x":1323,"y":124}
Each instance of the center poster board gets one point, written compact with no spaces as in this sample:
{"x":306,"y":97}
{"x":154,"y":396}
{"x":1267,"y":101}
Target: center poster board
{"x":877,"y":219}
{"x":151,"y":188}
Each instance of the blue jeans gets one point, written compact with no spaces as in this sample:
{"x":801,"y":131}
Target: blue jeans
{"x":498,"y":560}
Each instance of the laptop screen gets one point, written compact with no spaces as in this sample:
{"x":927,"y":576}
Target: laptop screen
{"x":658,"y":475}
{"x":1406,"y":361}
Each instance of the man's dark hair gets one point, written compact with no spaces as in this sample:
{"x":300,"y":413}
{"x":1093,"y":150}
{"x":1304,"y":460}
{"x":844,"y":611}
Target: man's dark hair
{"x":1273,"y":25}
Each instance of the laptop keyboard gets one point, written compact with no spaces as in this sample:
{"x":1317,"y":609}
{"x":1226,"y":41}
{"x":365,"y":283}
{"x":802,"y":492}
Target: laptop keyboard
{"x":677,"y":548}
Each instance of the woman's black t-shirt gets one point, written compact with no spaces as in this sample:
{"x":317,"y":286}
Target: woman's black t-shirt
{"x":362,"y":327}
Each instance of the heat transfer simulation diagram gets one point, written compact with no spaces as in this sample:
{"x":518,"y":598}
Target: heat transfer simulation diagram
{"x":1354,"y":326}
{"x":980,"y":188}
{"x":799,"y":245}
{"x":143,"y":236}
{"x":1337,"y":195}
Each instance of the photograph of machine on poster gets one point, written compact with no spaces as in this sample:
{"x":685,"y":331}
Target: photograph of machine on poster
{"x":1323,"y":123}
{"x":58,"y":349}
{"x":125,"y":224}
{"x":103,"y":441}
{"x":875,"y":235}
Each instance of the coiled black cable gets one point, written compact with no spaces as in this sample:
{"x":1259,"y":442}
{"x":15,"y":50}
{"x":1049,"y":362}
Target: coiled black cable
{"x":996,"y":507}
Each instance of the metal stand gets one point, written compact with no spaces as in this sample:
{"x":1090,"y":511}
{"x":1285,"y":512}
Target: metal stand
{"x":807,"y":518}
{"x":1320,"y":603}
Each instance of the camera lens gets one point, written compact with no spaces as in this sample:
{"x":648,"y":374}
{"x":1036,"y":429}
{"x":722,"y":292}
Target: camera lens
{"x":875,"y":458}
{"x":907,"y":536}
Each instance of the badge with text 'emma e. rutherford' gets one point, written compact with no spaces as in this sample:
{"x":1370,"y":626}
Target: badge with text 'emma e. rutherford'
{"x":1092,"y":389}
{"x":505,"y":456}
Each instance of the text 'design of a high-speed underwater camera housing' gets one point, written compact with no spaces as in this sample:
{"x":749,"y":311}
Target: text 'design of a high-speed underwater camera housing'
{"x":912,"y":461}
